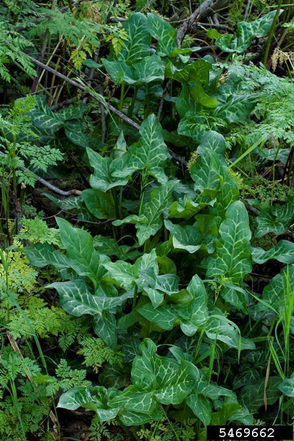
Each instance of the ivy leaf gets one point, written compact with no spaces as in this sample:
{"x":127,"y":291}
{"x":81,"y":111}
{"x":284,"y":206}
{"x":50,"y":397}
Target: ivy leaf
{"x":184,"y":238}
{"x":232,"y":256}
{"x":99,"y":203}
{"x":149,"y":154}
{"x":283,"y":252}
{"x":102,"y":178}
{"x":138,"y":40}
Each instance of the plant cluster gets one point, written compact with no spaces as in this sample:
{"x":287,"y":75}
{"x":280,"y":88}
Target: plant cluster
{"x":146,"y":252}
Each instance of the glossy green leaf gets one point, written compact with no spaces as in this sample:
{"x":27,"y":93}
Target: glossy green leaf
{"x":283,"y":252}
{"x":287,"y":386}
{"x":185,"y":238}
{"x":245,"y":34}
{"x":232,"y":257}
{"x":138,"y":40}
{"x":99,"y":203}
{"x":150,"y":221}
{"x":164,"y":33}
{"x":274,"y":219}
{"x":102,"y":178}
{"x":145,"y":71}
{"x":149,"y":154}
{"x":252,"y":396}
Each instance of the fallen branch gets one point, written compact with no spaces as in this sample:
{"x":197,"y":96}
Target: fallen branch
{"x":206,"y":8}
{"x":108,"y":106}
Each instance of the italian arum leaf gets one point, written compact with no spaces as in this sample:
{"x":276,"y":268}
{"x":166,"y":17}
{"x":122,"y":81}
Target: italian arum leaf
{"x":145,"y":71}
{"x":236,"y":109}
{"x":252,"y":396}
{"x":44,"y":118}
{"x":92,"y":399}
{"x":283,"y":252}
{"x":245,"y":34}
{"x":164,"y":316}
{"x":74,"y":132}
{"x":138,"y":40}
{"x":185,"y":238}
{"x":123,"y":273}
{"x":80,"y":250}
{"x":275,"y":294}
{"x":42,"y":255}
{"x":99,"y":203}
{"x":287,"y":386}
{"x":274,"y":219}
{"x":164,"y":33}
{"x":185,"y":208}
{"x":149,"y":154}
{"x":232,"y":257}
{"x":78,"y":301}
{"x":150,"y":221}
{"x":102,"y":178}
{"x":169,"y":381}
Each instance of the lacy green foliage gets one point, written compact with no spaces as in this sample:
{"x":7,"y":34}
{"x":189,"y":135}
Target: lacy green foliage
{"x":36,"y":231}
{"x":11,"y":45}
{"x":21,"y":275}
{"x":45,"y":321}
{"x":273,"y":113}
{"x":23,"y":413}
{"x":162,"y":431}
{"x":19,"y":142}
{"x":65,"y":379}
{"x":95,"y":353}
{"x":101,"y":431}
